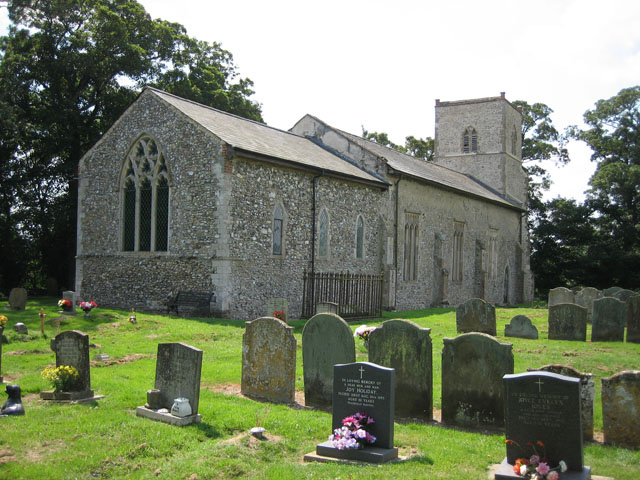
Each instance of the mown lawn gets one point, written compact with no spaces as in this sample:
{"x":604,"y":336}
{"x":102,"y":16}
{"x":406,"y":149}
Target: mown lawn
{"x":105,"y":439}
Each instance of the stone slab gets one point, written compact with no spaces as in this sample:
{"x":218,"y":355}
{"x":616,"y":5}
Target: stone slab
{"x":609,"y":317}
{"x":521,"y":327}
{"x":18,"y":298}
{"x":55,"y":397}
{"x":72,"y":348}
{"x":476,"y":315}
{"x":168,"y":418}
{"x":568,"y":321}
{"x":504,"y":471}
{"x":367,"y":454}
{"x":621,"y":408}
{"x":178,"y":370}
{"x":560,"y":295}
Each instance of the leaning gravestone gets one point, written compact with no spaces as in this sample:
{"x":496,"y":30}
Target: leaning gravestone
{"x":560,"y":295}
{"x":178,"y":369}
{"x":585,"y":298}
{"x":72,"y":349}
{"x":269,"y":360}
{"x":587,"y":393}
{"x":327,"y":340}
{"x":476,"y":315}
{"x":609,"y":319}
{"x":568,"y":322}
{"x":473,"y":365}
{"x":543,"y":407}
{"x":363,"y":387}
{"x":633,"y":319}
{"x":621,"y":408}
{"x":521,"y":327}
{"x":18,"y":298}
{"x":406,"y":347}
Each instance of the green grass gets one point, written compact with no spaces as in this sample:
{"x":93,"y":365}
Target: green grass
{"x":105,"y":439}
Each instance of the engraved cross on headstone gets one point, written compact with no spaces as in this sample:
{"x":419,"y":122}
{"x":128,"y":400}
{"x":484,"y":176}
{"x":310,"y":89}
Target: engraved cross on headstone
{"x":539,"y":383}
{"x":361,"y":370}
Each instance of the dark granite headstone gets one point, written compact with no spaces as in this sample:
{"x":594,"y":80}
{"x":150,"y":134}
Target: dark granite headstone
{"x":621,"y":408}
{"x":18,"y":298}
{"x":633,"y":319}
{"x":543,"y":407}
{"x":476,"y":315}
{"x":72,"y":349}
{"x":269,"y":360}
{"x":406,"y":347}
{"x":327,"y":340}
{"x":366,"y":388}
{"x":178,"y":368}
{"x":609,"y":319}
{"x":521,"y":327}
{"x":568,"y":322}
{"x":473,"y":365}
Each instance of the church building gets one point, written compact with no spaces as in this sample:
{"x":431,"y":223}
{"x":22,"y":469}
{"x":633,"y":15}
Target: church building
{"x":181,"y":196}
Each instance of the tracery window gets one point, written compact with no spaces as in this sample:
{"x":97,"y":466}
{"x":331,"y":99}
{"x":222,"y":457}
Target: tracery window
{"x":458,"y":251}
{"x":145,"y":198}
{"x":359,"y":237}
{"x":470,"y":140}
{"x":411,"y":247}
{"x":323,"y":234}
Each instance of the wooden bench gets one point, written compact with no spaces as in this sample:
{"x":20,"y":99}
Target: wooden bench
{"x":187,"y":302}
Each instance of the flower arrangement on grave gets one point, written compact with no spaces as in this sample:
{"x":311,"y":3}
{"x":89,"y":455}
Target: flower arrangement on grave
{"x":63,"y":378}
{"x":363,"y":332}
{"x":65,"y":304}
{"x":279,"y":314}
{"x":86,"y":307}
{"x":536,"y":467}
{"x":3,"y":321}
{"x":354,"y":432}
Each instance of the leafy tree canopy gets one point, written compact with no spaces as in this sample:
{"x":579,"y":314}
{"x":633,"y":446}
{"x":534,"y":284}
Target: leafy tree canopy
{"x":418,"y":147}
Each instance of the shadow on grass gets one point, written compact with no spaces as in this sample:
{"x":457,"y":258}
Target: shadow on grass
{"x":420,"y":459}
{"x":208,"y":430}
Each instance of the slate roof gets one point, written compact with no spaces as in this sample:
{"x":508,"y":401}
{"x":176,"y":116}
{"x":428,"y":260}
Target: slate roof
{"x":428,"y":171}
{"x":260,"y":139}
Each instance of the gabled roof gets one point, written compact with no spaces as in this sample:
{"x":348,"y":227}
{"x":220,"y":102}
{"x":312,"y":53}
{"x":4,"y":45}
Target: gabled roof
{"x":427,"y":171}
{"x":267,"y":142}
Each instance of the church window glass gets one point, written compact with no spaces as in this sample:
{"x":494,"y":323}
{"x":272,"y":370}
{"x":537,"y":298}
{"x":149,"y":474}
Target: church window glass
{"x":145,"y":198}
{"x":323,"y":234}
{"x":411,"y":247}
{"x":359,"y":237}
{"x":458,"y":250}
{"x":470,"y":141}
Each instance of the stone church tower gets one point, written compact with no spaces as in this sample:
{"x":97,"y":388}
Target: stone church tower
{"x":482,"y":138}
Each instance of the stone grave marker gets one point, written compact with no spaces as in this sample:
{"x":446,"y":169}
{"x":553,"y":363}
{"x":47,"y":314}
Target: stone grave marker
{"x":623,"y":294}
{"x":543,"y":407}
{"x":476,"y":315}
{"x":560,"y":295}
{"x":609,"y":319}
{"x":611,"y":291}
{"x":568,"y":322}
{"x":327,"y":307}
{"x":327,"y":340}
{"x":70,"y":295}
{"x":521,"y":327}
{"x":269,"y":360}
{"x":18,"y":298}
{"x":178,"y":369}
{"x":621,"y":408}
{"x":363,"y":387}
{"x":633,"y":319}
{"x":585,"y":298}
{"x":72,"y":349}
{"x":21,"y":328}
{"x":587,"y":393}
{"x":406,"y":347}
{"x":278,"y":305}
{"x":473,"y":365}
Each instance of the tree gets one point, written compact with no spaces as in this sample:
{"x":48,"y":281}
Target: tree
{"x":68,"y":69}
{"x":418,"y":147}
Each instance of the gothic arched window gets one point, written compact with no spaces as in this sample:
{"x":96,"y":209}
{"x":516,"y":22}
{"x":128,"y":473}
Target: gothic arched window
{"x":323,"y":234}
{"x":470,"y":140}
{"x":359,"y":237}
{"x":145,"y":198}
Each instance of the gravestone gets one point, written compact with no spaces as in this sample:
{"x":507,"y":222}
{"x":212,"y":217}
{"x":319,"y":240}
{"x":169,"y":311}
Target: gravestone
{"x":178,"y":369}
{"x":623,"y":294}
{"x":278,"y":305}
{"x":587,"y":393}
{"x":327,"y":340}
{"x":406,"y":347}
{"x":18,"y":298}
{"x":585,"y":298}
{"x":611,"y":291}
{"x":71,"y":296}
{"x":327,"y":307}
{"x":633,"y":319}
{"x":269,"y":360}
{"x":560,"y":295}
{"x":476,"y":315}
{"x":521,"y":327}
{"x":568,"y":322}
{"x":543,"y":407}
{"x":72,"y":349}
{"x":609,"y":319}
{"x":473,"y":365}
{"x":621,"y":408}
{"x":365,"y":388}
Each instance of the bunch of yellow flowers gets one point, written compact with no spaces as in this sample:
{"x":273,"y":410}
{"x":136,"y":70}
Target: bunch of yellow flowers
{"x":63,"y":378}
{"x":3,"y":320}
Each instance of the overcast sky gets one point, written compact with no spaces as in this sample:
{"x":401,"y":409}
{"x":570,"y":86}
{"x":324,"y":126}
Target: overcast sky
{"x":382,"y":64}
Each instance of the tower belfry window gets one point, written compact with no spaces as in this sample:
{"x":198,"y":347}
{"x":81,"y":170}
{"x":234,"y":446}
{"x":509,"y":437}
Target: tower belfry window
{"x":470,"y":141}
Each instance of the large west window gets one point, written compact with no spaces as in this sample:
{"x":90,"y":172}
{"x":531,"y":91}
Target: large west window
{"x":145,"y":198}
